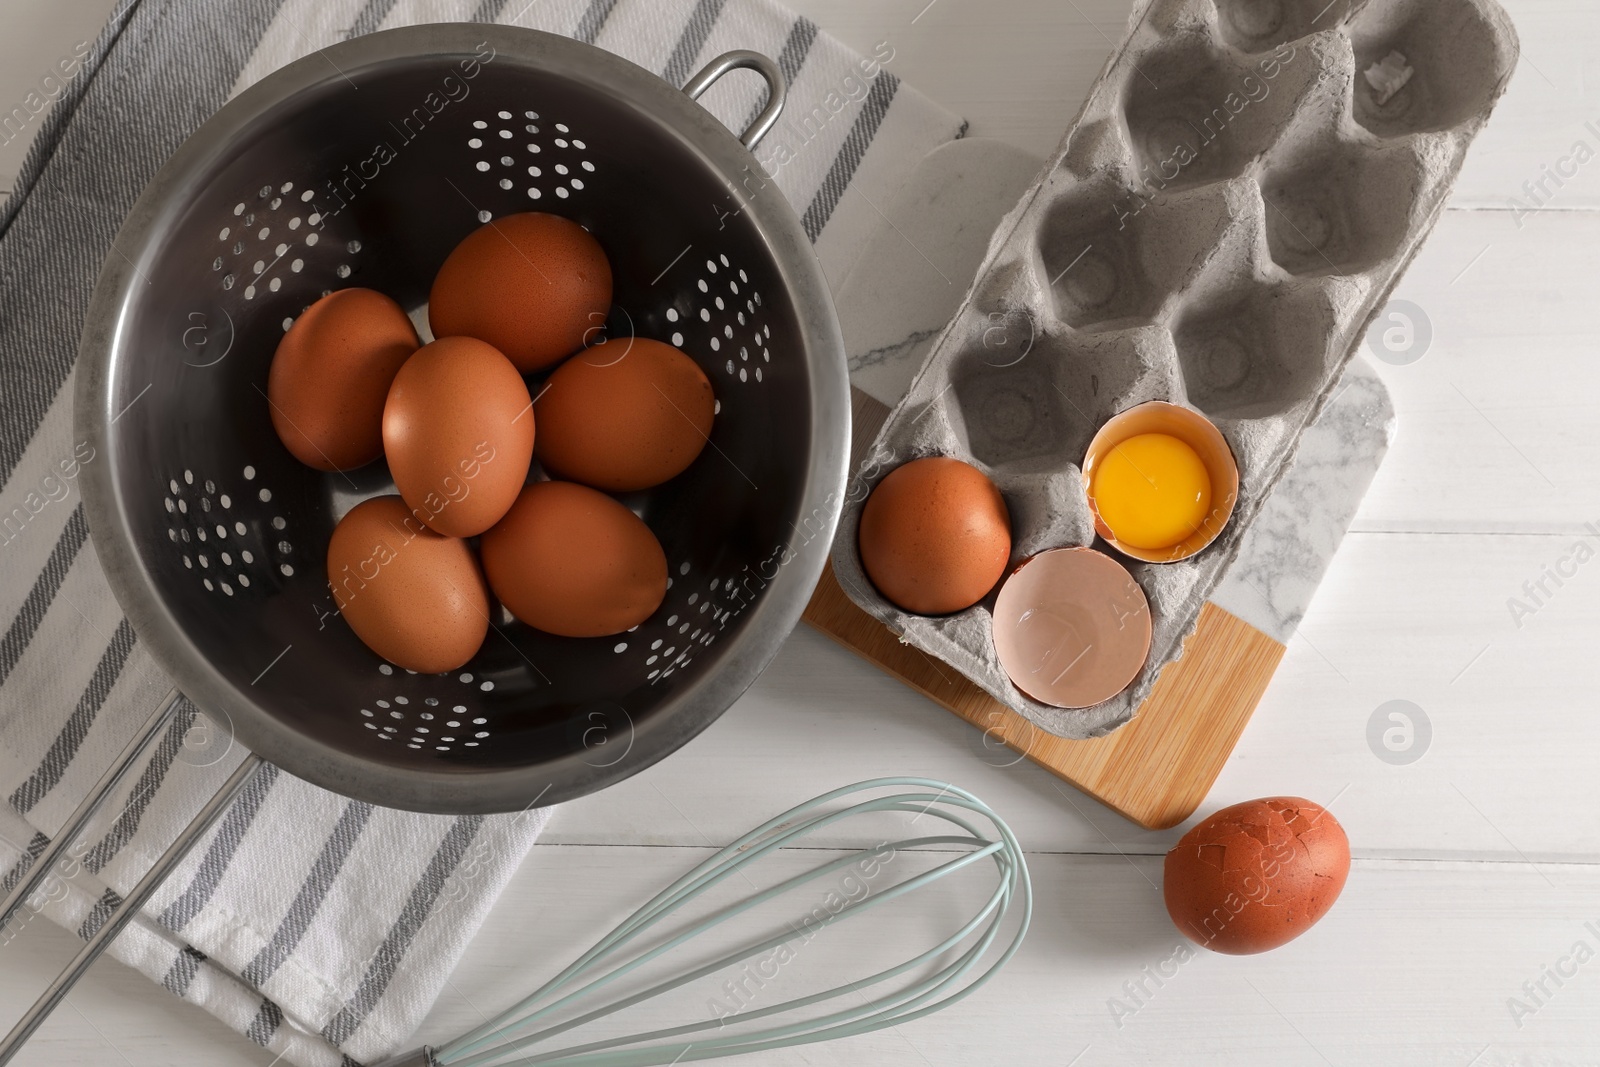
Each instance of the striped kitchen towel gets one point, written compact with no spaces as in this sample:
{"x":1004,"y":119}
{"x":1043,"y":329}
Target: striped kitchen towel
{"x":320,"y":928}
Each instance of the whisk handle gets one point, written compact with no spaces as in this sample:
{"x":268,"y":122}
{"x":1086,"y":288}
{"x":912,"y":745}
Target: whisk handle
{"x":67,"y":836}
{"x":124,"y":912}
{"x":744,"y":59}
{"x":421,"y":1057}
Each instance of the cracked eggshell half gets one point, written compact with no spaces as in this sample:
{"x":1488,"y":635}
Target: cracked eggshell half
{"x":1071,"y":627}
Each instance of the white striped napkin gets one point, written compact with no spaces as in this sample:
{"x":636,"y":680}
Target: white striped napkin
{"x":319,"y":927}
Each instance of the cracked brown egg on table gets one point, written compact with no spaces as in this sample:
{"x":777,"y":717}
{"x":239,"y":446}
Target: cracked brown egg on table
{"x":1256,"y":875}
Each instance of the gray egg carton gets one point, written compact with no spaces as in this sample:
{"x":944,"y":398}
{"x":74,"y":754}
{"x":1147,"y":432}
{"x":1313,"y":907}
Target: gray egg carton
{"x":1240,"y":194}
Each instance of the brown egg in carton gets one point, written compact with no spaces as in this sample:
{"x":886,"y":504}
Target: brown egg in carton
{"x":1241,"y":192}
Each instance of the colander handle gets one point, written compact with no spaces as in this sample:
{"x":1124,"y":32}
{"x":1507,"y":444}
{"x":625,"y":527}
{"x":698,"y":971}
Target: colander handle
{"x":744,"y":59}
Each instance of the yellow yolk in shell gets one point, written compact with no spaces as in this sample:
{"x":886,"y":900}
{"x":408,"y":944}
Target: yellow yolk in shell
{"x":1152,"y":491}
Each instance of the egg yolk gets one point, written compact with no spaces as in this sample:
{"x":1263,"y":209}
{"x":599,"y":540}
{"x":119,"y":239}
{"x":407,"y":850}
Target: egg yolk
{"x":1152,"y":491}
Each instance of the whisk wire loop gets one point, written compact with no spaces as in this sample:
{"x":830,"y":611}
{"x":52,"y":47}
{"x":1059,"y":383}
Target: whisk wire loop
{"x":740,"y":955}
{"x":506,"y":1039}
{"x":713,"y":870}
{"x":898,"y":1000}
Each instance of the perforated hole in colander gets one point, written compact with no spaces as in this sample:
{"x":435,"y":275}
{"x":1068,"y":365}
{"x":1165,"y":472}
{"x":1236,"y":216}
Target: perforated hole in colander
{"x":226,"y":532}
{"x":722,"y":315}
{"x":275,"y":233}
{"x":429,"y":712}
{"x":695,"y":612}
{"x":524,"y":161}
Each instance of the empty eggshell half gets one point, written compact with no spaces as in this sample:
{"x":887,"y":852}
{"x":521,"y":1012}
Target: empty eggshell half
{"x":1071,"y":627}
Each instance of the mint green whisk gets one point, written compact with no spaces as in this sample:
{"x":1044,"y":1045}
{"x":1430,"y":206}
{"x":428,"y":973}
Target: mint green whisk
{"x":926,"y":982}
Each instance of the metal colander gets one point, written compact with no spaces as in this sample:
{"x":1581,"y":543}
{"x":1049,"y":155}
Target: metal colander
{"x":365,"y":165}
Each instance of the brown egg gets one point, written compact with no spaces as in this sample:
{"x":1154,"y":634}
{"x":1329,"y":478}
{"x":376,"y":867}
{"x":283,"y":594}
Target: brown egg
{"x":1256,"y":875}
{"x":458,"y":431}
{"x":415,"y":598}
{"x":571,"y":561}
{"x":624,"y":415}
{"x":533,"y":285}
{"x":935,"y":536}
{"x":330,"y":376}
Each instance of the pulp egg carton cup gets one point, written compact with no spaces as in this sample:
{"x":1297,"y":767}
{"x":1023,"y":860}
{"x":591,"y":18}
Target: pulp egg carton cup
{"x":1241,"y":192}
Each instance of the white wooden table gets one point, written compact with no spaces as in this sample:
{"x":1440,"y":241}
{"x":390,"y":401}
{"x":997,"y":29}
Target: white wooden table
{"x":1477,"y":867}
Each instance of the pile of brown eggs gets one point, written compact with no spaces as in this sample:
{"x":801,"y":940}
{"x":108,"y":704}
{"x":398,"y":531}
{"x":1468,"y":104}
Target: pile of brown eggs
{"x":352,"y":382}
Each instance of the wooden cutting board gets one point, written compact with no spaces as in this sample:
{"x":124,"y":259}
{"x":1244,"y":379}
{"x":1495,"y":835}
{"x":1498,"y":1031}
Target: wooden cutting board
{"x":1157,"y":769}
